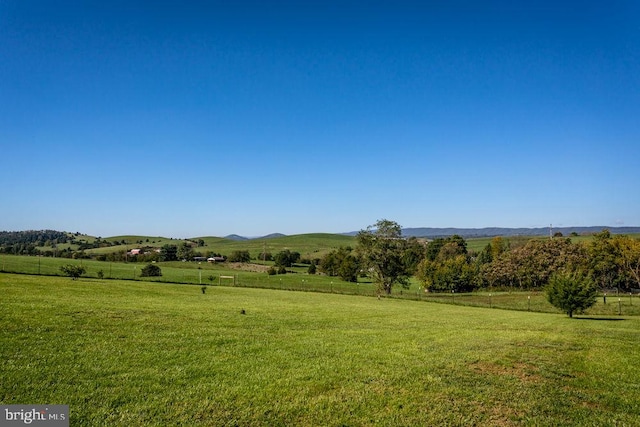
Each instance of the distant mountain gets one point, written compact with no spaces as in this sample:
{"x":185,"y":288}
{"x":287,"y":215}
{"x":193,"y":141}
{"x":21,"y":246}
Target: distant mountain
{"x":235,"y":237}
{"x":429,"y":232}
{"x":241,"y":238}
{"x":272,"y":236}
{"x":499,"y":231}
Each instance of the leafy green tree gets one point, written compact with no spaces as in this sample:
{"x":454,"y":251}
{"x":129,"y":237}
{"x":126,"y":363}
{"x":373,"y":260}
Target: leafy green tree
{"x":73,"y":271}
{"x":450,"y":250}
{"x":312,"y":268}
{"x":484,"y":257}
{"x":341,"y":262}
{"x":286,"y":258}
{"x":348,"y":267}
{"x":603,"y":268}
{"x":571,"y":293}
{"x":448,"y":274}
{"x":265,"y":256}
{"x":185,"y":251}
{"x":628,"y":259}
{"x":151,"y":270}
{"x":329,"y":264}
{"x":239,"y":256}
{"x":169,"y":253}
{"x":413,"y":254}
{"x":498,"y":246}
{"x":531,"y":266}
{"x":433,"y":248}
{"x":381,"y":248}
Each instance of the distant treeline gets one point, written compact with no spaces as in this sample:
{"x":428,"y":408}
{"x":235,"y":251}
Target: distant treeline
{"x":445,"y":264}
{"x":511,"y":232}
{"x":46,"y":243}
{"x":33,"y":237}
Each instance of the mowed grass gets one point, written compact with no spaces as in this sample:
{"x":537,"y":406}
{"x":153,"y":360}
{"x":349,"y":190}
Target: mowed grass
{"x":135,"y":353}
{"x":210,"y":274}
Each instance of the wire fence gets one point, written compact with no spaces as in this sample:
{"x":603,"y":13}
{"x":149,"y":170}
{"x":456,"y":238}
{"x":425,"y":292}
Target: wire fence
{"x":608,"y":303}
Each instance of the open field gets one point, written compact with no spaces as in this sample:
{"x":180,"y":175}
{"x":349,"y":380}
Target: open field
{"x":298,"y":280}
{"x":134,"y":353}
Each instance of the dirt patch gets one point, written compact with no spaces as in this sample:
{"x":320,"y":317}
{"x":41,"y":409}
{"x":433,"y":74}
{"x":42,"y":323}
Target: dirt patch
{"x":524,"y":372}
{"x":245,"y":266}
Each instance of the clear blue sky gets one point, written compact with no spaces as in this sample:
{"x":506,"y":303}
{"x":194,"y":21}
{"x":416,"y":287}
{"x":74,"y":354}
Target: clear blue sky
{"x":188,"y":119}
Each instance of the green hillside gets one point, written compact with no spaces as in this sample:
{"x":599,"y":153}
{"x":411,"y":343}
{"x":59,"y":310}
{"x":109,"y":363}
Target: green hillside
{"x":312,"y":245}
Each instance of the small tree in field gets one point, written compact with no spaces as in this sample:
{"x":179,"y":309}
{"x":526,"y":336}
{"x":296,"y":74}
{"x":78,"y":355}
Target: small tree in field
{"x":571,"y":293}
{"x":73,"y":271}
{"x":151,"y":270}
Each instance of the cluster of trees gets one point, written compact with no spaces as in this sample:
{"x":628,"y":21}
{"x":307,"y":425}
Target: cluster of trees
{"x":37,"y":238}
{"x":48,"y":243}
{"x":445,"y":264}
{"x":609,"y":261}
{"x":286,"y":259}
{"x":27,"y":242}
{"x":342,"y":262}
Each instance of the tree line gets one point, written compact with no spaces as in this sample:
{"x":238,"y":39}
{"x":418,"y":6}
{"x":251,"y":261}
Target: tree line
{"x":445,"y":264}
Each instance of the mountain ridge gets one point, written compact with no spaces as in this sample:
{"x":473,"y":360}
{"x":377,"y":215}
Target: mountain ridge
{"x":434,"y":232}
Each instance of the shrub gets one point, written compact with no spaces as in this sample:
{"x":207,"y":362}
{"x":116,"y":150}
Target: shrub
{"x":265,"y":256}
{"x":73,"y":271}
{"x":571,"y":293}
{"x":239,"y":256}
{"x":151,"y":270}
{"x":312,"y":268}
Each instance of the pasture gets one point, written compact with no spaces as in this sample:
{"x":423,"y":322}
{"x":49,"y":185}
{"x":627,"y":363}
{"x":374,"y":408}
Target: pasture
{"x":313,"y":245}
{"x":142,"y":353}
{"x":297,"y":280}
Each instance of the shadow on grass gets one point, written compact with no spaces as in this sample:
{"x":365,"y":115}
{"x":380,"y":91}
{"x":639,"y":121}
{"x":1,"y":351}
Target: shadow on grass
{"x":610,"y":319}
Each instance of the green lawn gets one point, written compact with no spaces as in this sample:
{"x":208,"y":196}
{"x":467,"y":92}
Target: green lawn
{"x":209,"y":274}
{"x":135,"y":353}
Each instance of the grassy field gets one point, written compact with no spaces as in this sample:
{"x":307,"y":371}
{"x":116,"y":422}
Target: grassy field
{"x":209,"y":274}
{"x":310,"y":246}
{"x":134,"y":353}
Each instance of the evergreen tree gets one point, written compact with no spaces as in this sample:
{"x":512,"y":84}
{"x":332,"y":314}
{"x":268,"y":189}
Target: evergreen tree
{"x":571,"y":293}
